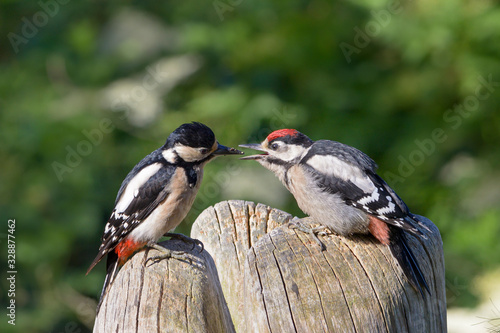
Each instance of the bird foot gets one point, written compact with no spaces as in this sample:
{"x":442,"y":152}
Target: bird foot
{"x":167,"y":254}
{"x":314,"y":232}
{"x":186,"y":239}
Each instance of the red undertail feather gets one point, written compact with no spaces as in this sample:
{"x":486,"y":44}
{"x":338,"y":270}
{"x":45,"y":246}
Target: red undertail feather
{"x":280,"y":133}
{"x":126,"y":248}
{"x":379,"y":229}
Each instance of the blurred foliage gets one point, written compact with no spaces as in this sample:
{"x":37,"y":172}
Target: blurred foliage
{"x":382,"y":76}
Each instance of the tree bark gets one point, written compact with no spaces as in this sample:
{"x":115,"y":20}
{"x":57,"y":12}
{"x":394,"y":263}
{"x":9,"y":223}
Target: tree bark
{"x":258,"y":275}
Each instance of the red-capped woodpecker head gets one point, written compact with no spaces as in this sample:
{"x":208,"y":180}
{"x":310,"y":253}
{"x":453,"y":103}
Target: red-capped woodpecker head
{"x":284,"y":146}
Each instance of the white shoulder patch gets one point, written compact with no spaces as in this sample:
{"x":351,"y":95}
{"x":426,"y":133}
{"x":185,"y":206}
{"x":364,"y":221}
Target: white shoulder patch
{"x":333,"y":166}
{"x":133,"y":186}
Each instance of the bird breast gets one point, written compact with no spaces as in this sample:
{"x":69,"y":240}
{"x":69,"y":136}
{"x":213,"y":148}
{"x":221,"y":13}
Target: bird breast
{"x":169,"y":213}
{"x":328,"y":209}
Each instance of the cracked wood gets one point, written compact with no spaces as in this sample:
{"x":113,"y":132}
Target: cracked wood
{"x":276,"y":279}
{"x":258,"y":275}
{"x":170,"y":295}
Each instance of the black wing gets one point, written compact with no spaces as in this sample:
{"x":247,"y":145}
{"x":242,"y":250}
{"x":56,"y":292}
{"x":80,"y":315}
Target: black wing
{"x":362,"y":188}
{"x":382,"y":203}
{"x":152,"y":158}
{"x":145,"y":199}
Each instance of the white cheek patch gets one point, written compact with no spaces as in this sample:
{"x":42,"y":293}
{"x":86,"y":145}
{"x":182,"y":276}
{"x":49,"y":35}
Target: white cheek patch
{"x":188,"y":154}
{"x":293,"y":152}
{"x":132,"y":188}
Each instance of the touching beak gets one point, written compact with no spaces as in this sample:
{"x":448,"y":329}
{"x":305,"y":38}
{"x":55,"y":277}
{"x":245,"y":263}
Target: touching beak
{"x":223,"y":150}
{"x":256,"y":146}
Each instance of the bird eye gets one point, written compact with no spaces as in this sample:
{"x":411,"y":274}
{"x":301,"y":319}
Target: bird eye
{"x":203,"y":151}
{"x":274,"y":146}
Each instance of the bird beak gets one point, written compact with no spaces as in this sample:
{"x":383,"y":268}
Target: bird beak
{"x":223,"y":150}
{"x":256,"y":146}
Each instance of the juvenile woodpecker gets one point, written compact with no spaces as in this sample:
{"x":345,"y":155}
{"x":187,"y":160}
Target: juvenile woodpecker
{"x":337,"y":185}
{"x":156,"y":195}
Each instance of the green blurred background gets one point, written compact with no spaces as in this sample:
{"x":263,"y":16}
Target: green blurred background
{"x":87,"y":89}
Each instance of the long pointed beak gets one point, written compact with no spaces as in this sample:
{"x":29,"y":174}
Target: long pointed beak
{"x":223,"y":150}
{"x":256,"y":146}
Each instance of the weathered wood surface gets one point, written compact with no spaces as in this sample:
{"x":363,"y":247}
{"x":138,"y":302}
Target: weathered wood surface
{"x":275,"y":279}
{"x":228,"y":230}
{"x":165,"y":296}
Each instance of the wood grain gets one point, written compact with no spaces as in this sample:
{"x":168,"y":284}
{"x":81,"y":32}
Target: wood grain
{"x":258,"y":275}
{"x":170,"y":295}
{"x":277,"y":279}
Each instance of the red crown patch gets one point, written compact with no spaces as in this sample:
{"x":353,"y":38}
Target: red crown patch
{"x":281,"y":133}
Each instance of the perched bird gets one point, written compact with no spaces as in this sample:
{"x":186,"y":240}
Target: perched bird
{"x":337,"y":185}
{"x":157,"y":195}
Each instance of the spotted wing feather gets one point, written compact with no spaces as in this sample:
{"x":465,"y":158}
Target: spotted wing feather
{"x":356,"y":181}
{"x":388,"y":207}
{"x":146,"y":199}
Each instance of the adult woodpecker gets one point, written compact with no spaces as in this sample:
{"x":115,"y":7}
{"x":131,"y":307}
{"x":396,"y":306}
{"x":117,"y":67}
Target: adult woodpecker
{"x":156,"y":196}
{"x":337,"y":186}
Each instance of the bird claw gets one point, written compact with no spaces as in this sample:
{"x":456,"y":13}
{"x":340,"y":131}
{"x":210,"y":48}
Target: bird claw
{"x":314,"y":232}
{"x":167,"y":254}
{"x":186,"y":239}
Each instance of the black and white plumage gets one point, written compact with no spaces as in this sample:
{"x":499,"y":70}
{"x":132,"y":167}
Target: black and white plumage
{"x":157,"y":194}
{"x":337,"y":185}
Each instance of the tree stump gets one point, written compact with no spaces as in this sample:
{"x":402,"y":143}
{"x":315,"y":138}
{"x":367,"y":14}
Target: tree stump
{"x":170,"y":295}
{"x":259,"y":275}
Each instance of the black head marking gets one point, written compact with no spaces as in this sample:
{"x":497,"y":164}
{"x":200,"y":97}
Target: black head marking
{"x":196,"y":135}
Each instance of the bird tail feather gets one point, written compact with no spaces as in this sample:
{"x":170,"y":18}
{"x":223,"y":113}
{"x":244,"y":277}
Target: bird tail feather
{"x":404,"y":256}
{"x":112,"y":264}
